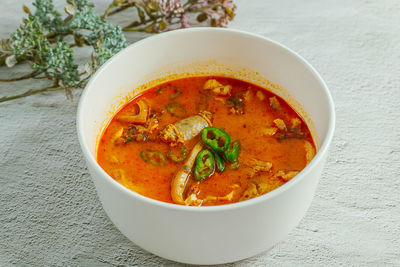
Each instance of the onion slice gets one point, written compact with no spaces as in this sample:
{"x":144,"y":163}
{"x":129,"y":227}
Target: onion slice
{"x":179,"y":182}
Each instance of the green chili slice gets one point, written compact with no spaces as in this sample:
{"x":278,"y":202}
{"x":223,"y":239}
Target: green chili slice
{"x":178,"y":93}
{"x":176,"y":110}
{"x":180,"y":158}
{"x":205,"y":165}
{"x":155,"y":158}
{"x":232,"y":153}
{"x":233,"y":100}
{"x":219,"y":163}
{"x":216,"y":139}
{"x":234,"y":165}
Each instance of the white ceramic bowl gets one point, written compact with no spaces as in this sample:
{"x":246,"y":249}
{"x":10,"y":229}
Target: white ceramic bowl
{"x":206,"y":235}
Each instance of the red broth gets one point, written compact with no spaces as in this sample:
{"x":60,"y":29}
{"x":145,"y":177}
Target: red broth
{"x":275,"y":143}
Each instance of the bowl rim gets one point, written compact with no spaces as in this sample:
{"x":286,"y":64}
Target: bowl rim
{"x":237,"y":205}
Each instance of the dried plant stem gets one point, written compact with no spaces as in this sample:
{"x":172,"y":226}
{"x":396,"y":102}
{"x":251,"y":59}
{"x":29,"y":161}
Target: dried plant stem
{"x":27,"y":76}
{"x":30,"y":92}
{"x":108,"y":11}
{"x":159,"y":16}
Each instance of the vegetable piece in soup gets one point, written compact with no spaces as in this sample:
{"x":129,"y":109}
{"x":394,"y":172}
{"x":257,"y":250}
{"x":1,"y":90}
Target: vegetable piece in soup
{"x":205,"y":141}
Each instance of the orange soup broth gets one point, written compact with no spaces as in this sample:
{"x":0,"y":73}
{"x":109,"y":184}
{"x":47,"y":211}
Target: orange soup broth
{"x":155,"y":181}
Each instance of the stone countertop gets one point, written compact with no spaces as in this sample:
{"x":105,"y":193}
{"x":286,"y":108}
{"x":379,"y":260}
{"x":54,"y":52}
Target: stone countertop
{"x":50,"y":214}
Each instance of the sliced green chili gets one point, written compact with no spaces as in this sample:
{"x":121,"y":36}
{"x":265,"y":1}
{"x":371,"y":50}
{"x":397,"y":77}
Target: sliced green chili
{"x":159,"y":91}
{"x":205,"y":165}
{"x":233,"y":100}
{"x":155,"y":158}
{"x":180,"y":158}
{"x":216,"y":139}
{"x":219,"y":163}
{"x":234,"y":165}
{"x":178,"y":93}
{"x":176,"y":110}
{"x":232,"y":153}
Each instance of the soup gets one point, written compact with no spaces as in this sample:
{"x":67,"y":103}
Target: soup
{"x":204,"y":141}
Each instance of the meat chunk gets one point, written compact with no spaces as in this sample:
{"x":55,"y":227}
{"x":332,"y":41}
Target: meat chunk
{"x":186,"y":129}
{"x":217,"y":87}
{"x":136,"y":132}
{"x":280,"y":124}
{"x":268,"y":131}
{"x":211,"y":84}
{"x":236,"y":103}
{"x":248,"y":95}
{"x":214,"y":198}
{"x":274,"y":103}
{"x":117,"y":137}
{"x":268,"y":185}
{"x":295,"y":125}
{"x":192,"y":200}
{"x":250,"y":192}
{"x":256,"y":188}
{"x":286,"y":175}
{"x":260,"y":95}
{"x":255,"y":166}
{"x":294,"y":130}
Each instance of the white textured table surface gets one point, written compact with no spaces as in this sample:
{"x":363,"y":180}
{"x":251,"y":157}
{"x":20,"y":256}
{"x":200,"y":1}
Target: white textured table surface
{"x":49,"y":211}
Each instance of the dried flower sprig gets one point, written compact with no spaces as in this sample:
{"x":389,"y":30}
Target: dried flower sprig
{"x":46,"y":40}
{"x":43,"y":41}
{"x":155,"y":16}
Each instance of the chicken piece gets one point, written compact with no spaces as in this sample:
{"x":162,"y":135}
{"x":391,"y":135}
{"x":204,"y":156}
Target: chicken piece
{"x":129,"y":134}
{"x":286,"y":175}
{"x":255,"y":166}
{"x":256,"y":189}
{"x":260,"y":95}
{"x":152,"y":124}
{"x":295,"y":125}
{"x":248,"y":95}
{"x":192,"y":200}
{"x":135,"y":133}
{"x":280,"y":124}
{"x":268,"y":131}
{"x":250,"y":192}
{"x":194,"y":189}
{"x":274,"y":103}
{"x":217,"y":87}
{"x":268,"y":185}
{"x":186,"y":129}
{"x":117,"y":137}
{"x":214,"y":198}
{"x":222,"y":100}
{"x":310,"y":151}
{"x":224,"y":90}
{"x":236,"y":103}
{"x":294,"y":129}
{"x":211,"y":84}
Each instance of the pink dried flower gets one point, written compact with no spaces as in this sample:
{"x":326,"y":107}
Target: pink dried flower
{"x":164,"y":15}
